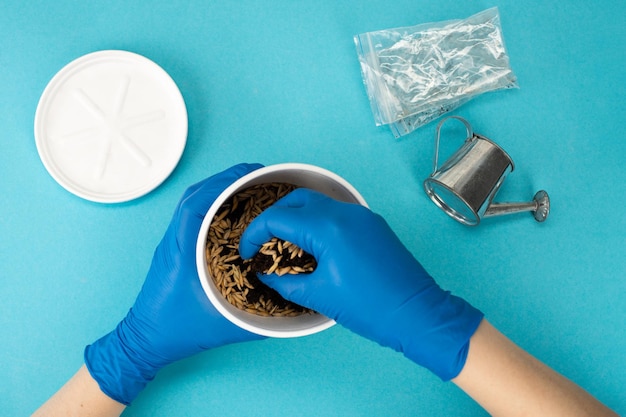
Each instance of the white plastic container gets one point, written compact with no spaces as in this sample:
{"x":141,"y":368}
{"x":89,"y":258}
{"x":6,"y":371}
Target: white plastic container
{"x":302,"y":175}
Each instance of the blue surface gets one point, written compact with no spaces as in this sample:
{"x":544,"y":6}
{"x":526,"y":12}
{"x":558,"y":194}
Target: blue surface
{"x":280,"y":82}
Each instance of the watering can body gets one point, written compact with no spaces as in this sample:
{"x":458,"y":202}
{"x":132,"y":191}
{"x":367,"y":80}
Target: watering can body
{"x":465,"y":185}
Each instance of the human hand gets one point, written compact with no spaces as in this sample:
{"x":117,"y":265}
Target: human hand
{"x":172,"y":317}
{"x":366,"y":279}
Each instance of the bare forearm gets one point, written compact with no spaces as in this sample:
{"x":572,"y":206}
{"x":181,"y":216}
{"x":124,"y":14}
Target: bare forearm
{"x":507,"y":381}
{"x":80,"y":396}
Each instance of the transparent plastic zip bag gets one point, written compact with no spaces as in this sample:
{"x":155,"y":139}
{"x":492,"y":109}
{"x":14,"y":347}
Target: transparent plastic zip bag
{"x":415,"y":74}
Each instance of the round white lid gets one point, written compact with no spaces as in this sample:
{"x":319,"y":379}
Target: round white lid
{"x":111,"y":126}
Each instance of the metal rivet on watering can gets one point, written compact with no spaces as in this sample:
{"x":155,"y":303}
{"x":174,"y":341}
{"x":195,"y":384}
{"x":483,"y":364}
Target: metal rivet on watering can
{"x":465,"y":185}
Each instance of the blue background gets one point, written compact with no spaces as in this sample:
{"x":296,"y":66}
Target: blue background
{"x":279,"y":81}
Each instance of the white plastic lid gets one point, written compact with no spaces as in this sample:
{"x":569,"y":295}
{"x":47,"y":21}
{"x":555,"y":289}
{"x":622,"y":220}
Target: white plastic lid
{"x":111,"y":126}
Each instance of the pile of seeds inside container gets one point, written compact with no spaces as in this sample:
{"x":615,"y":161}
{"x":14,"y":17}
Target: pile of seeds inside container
{"x":237,"y":279}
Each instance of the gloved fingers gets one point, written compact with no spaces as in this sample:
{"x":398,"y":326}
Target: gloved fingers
{"x":288,"y":219}
{"x":290,"y":287}
{"x":198,"y":198}
{"x":301,"y":197}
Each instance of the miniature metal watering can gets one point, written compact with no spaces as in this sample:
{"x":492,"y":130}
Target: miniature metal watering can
{"x":465,"y":185}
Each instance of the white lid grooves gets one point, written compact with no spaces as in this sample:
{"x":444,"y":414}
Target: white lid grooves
{"x":111,"y":126}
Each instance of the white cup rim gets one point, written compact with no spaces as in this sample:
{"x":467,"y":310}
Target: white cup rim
{"x":280,"y":327}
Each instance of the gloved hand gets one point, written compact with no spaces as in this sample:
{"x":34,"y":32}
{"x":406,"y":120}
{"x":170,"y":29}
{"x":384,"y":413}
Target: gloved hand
{"x":366,"y":280}
{"x":172,"y":317}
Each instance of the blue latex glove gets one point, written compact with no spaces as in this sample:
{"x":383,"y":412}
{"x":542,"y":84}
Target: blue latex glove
{"x":366,"y":280}
{"x":172,"y":317}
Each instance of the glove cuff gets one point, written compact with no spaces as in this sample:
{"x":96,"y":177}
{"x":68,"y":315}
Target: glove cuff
{"x":444,"y":346}
{"x":118,"y":370}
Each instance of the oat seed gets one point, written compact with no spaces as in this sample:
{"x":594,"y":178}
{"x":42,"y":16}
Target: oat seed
{"x":230,"y":273}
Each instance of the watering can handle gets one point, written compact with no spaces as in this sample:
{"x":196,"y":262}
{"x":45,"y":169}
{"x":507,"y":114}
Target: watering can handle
{"x":468,"y":128}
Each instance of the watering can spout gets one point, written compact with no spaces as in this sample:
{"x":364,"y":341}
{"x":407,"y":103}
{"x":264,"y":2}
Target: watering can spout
{"x":540,"y":206}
